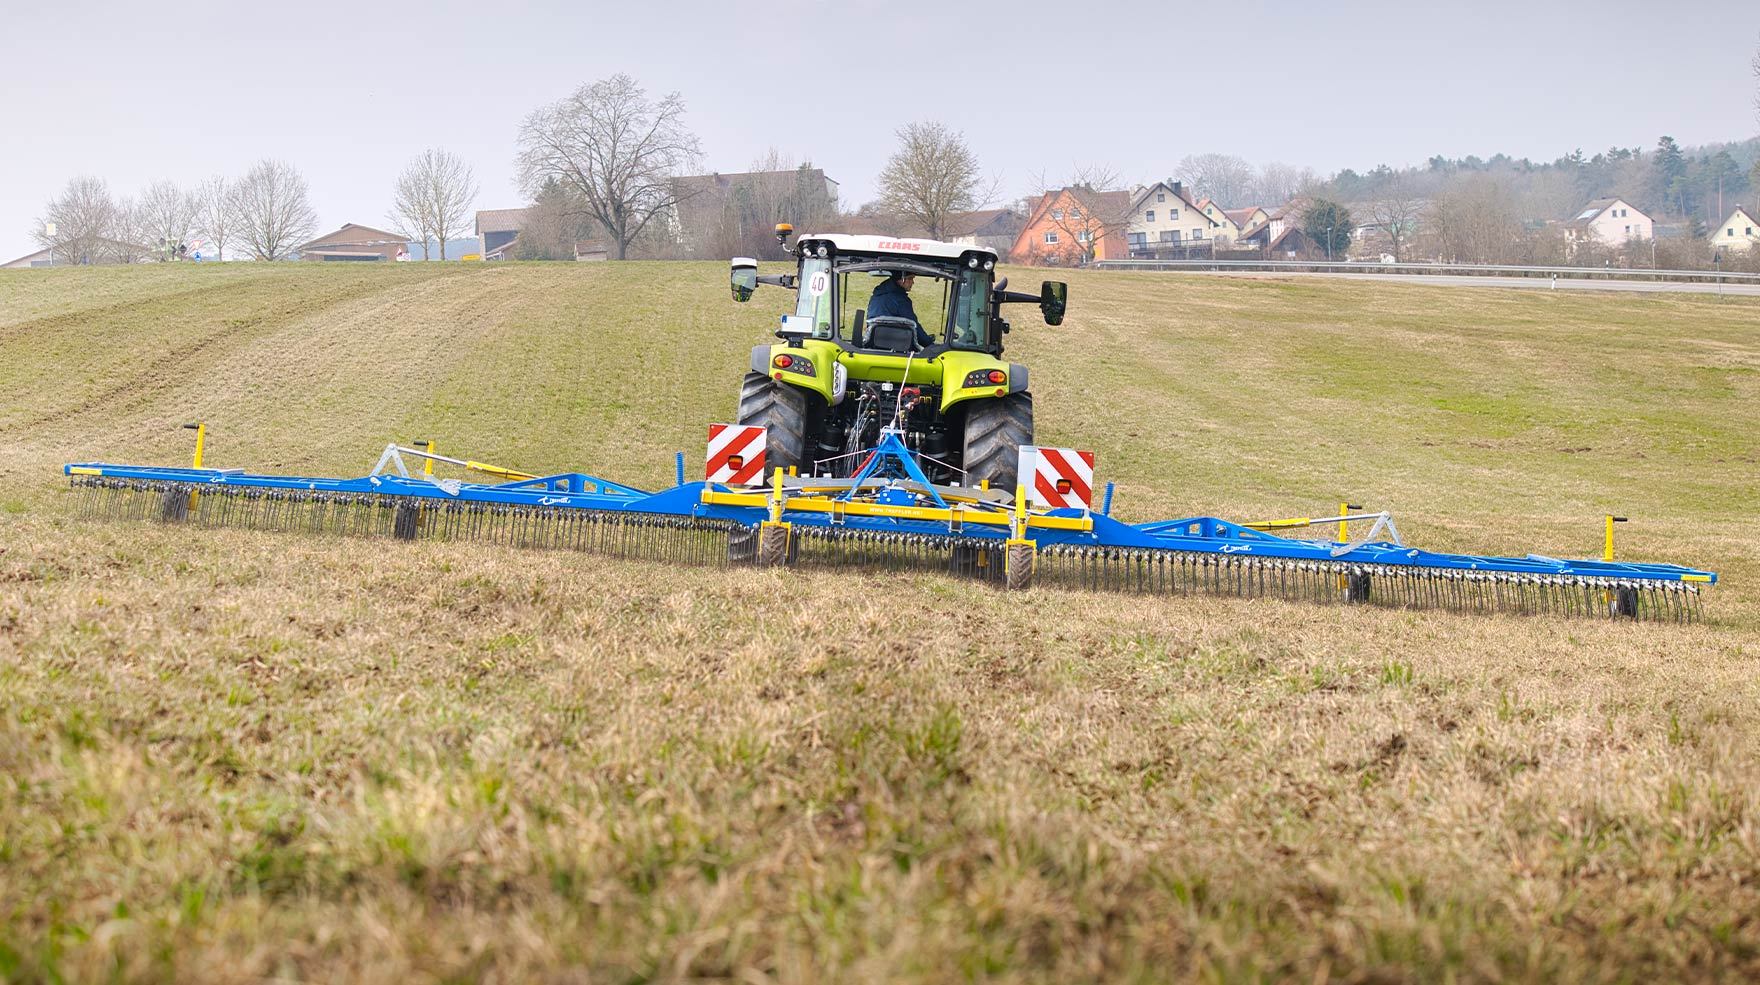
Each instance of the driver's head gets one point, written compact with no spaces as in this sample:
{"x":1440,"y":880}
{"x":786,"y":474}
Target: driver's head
{"x":905,"y":280}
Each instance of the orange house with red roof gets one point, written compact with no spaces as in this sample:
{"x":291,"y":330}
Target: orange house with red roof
{"x":1071,"y":226}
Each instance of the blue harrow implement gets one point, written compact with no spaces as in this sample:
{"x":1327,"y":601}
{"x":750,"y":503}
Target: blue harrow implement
{"x":888,"y":515}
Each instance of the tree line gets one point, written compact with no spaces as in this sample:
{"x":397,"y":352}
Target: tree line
{"x":609,"y":161}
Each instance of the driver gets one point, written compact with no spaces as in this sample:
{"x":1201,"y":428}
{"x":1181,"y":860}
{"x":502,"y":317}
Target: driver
{"x":892,"y":299}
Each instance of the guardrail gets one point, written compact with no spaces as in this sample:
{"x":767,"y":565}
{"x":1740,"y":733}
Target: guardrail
{"x":1433,"y":269}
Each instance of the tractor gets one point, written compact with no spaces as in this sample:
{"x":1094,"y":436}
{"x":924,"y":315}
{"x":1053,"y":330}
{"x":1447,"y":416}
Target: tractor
{"x":839,"y":376}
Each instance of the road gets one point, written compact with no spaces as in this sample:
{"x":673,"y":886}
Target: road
{"x":1532,"y":283}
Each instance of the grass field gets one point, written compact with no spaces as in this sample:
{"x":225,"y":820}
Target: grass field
{"x":232,"y":756}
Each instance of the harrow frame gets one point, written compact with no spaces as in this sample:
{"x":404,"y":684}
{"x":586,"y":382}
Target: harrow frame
{"x":888,"y":514}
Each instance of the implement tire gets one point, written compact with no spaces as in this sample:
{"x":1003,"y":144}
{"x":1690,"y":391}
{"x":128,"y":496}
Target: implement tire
{"x":781,"y":410}
{"x":994,"y":433}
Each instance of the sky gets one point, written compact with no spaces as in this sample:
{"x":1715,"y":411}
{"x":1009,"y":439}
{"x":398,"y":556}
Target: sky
{"x":348,"y":92}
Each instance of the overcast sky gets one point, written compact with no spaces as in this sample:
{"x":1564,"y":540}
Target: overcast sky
{"x":348,"y":92}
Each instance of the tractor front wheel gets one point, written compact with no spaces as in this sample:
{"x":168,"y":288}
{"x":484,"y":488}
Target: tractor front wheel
{"x":994,"y":433}
{"x":782,"y":411}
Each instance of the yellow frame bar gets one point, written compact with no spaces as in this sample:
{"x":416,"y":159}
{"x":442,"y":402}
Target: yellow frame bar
{"x":837,"y":507}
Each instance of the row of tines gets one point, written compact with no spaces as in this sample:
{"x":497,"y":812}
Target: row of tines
{"x":1175,"y":572}
{"x":694,"y":540}
{"x":658,"y":537}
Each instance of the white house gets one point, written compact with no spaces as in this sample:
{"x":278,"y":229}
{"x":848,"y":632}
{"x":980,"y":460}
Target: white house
{"x":1611,"y":221}
{"x":1163,"y":216}
{"x":1737,"y":234}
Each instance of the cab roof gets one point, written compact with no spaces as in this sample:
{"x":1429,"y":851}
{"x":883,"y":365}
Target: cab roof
{"x":929,"y":248}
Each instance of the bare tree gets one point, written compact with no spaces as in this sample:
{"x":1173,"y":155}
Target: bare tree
{"x":616,"y":149}
{"x":1756,"y":66}
{"x":1395,"y":214}
{"x":86,"y":220}
{"x":167,"y":218}
{"x":932,"y":177}
{"x":273,"y":214}
{"x":1279,"y":183}
{"x":434,"y":197}
{"x":214,"y":211}
{"x":1222,"y":177}
{"x":1476,"y":222}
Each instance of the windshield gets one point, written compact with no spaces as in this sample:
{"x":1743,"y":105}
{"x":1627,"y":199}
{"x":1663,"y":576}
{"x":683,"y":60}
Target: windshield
{"x":950,"y":302}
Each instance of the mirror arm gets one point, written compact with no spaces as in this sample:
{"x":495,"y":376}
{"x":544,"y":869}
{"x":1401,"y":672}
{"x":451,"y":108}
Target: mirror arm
{"x":778,"y":280}
{"x":1008,"y":297}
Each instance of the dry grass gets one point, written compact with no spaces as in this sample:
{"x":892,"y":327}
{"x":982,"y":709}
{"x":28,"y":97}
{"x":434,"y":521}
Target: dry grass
{"x":237,"y":756}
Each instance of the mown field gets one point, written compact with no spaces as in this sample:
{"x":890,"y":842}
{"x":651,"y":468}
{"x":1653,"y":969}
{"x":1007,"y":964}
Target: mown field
{"x":233,"y":756}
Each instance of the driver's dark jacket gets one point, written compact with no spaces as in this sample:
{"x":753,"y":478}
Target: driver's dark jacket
{"x":891,"y":301}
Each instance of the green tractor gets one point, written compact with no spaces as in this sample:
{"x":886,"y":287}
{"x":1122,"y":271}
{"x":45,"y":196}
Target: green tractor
{"x":843,"y":372}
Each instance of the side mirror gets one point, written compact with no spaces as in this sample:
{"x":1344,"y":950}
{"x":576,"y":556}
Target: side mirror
{"x":744,"y":278}
{"x":1053,"y":298}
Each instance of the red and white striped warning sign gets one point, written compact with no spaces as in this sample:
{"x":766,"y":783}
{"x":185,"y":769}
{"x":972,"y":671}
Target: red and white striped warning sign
{"x":736,"y":454}
{"x":1058,"y":477}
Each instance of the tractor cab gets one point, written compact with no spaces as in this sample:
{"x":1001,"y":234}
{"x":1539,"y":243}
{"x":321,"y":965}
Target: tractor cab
{"x":891,"y":332}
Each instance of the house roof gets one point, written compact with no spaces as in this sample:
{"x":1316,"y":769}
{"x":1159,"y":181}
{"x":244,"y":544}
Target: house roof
{"x":1592,"y":211}
{"x":1240,"y":217}
{"x":972,"y":223}
{"x":505,"y":249}
{"x":590,"y":246}
{"x":354,"y":234}
{"x":1180,"y":193}
{"x":1109,"y":206}
{"x":1288,"y":231}
{"x":27,"y":258}
{"x":502,"y":220}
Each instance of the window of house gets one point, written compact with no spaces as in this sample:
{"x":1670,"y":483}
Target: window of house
{"x":1075,"y":213}
{"x":1172,"y":215}
{"x":1149,"y":216}
{"x":1747,"y":232}
{"x":1175,"y":236}
{"x":1167,"y":236}
{"x":1082,"y":237}
{"x":1050,"y":238}
{"x":1138,"y":239}
{"x":1160,"y":196}
{"x":1727,"y":232}
{"x":1197,"y":234}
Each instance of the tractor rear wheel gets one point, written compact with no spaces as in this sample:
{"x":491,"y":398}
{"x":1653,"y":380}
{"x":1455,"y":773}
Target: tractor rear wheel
{"x":782,"y":410}
{"x":994,"y":433}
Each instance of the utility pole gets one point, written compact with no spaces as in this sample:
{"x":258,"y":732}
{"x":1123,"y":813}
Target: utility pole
{"x":49,"y":230}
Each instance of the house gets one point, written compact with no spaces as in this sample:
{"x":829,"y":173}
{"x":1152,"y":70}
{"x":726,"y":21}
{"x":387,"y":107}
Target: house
{"x":1071,"y":225}
{"x":92,"y":251}
{"x":1609,"y":221}
{"x":1248,"y":219}
{"x":1164,"y":220}
{"x":37,"y":259}
{"x":1737,"y":234}
{"x":497,"y":229}
{"x":1227,"y":228}
{"x":356,"y":242}
{"x":1276,"y":240}
{"x":721,"y":215}
{"x":591,"y":249}
{"x":994,"y":229}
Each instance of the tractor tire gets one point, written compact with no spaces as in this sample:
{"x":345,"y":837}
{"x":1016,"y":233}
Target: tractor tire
{"x":994,"y":433}
{"x":782,"y":410}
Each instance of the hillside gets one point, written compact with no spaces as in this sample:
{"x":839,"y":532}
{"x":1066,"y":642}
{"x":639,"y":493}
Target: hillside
{"x":241,"y":755}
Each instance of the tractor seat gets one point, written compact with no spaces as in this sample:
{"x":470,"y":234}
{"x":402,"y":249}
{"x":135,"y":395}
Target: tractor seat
{"x":892,"y":334}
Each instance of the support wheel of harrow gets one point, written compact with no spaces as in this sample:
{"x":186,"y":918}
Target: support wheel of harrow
{"x":174,"y":506}
{"x":1020,"y":561}
{"x":782,"y":410}
{"x":1357,"y":587}
{"x":1625,"y":603}
{"x":773,"y":545}
{"x":406,"y":522}
{"x":994,"y":433}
